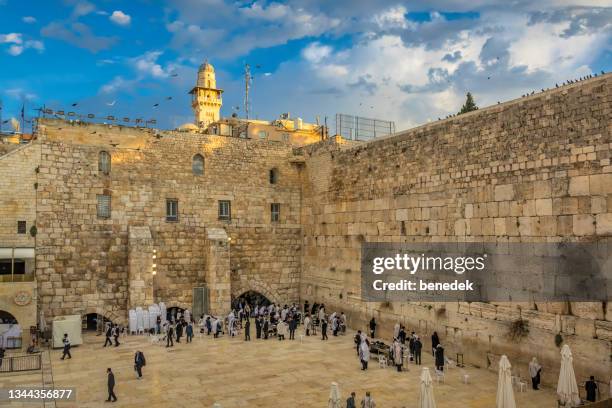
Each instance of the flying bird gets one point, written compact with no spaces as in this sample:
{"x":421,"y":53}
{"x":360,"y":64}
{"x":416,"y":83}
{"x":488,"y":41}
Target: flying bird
{"x":111,"y":103}
{"x":75,"y":104}
{"x":168,"y":98}
{"x":156,"y":105}
{"x":174,"y":75}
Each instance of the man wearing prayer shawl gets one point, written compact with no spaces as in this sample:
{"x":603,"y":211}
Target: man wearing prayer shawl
{"x":534,"y":372}
{"x":396,"y":330}
{"x":368,"y":401}
{"x":397,"y":354}
{"x":364,"y":354}
{"x":307,"y":325}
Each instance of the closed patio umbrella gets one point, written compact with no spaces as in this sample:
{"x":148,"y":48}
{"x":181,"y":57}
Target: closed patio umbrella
{"x":505,"y":393}
{"x":426,"y":399}
{"x":567,"y":389}
{"x":334,"y":396}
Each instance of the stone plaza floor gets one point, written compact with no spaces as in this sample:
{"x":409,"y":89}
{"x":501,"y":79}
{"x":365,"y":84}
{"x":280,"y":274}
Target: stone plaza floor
{"x":259,"y":373}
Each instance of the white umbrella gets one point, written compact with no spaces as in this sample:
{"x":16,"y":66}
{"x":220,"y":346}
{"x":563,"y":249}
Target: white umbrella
{"x":505,"y":393}
{"x":426,"y":399}
{"x":567,"y":389}
{"x":334,"y":396}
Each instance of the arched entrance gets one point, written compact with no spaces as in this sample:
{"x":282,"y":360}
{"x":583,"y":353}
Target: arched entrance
{"x":11,"y":333}
{"x":173,"y":312}
{"x":251,"y":298}
{"x":95,"y":322}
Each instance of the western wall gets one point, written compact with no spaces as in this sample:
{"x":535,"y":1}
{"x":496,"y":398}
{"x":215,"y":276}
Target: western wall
{"x":535,"y":169}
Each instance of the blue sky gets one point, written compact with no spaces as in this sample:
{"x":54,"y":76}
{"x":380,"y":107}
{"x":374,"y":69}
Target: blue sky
{"x":408,"y":61}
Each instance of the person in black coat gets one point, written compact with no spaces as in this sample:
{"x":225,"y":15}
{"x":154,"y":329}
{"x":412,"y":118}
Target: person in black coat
{"x":66,"y":351}
{"x":208,"y":326}
{"x":350,"y":401}
{"x":169,"y":335}
{"x":111,"y":386}
{"x":435,"y":340}
{"x":247,"y":330}
{"x":324,"y":328}
{"x":372,"y":328}
{"x":417,"y":346}
{"x":108,"y":334}
{"x":265,"y":329}
{"x":439,"y":357}
{"x":591,"y":389}
{"x":179,"y":331}
{"x":258,"y":321}
{"x":139,"y":362}
{"x":1,"y":355}
{"x":292,"y":327}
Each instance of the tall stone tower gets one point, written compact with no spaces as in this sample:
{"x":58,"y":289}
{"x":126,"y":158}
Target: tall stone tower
{"x":206,"y":97}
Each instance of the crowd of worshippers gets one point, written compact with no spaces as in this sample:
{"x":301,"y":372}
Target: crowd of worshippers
{"x":404,"y":346}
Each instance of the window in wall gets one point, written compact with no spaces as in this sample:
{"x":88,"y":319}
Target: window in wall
{"x":21,"y":227}
{"x":104,"y":162}
{"x":273,"y":176}
{"x":285,"y":137}
{"x":171,"y":209}
{"x":263,"y":134}
{"x":275,"y":212}
{"x":197,"y":165}
{"x":225,"y":210}
{"x":104,"y":206}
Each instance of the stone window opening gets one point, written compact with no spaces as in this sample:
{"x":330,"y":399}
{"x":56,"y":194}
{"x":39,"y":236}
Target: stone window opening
{"x":197,"y":165}
{"x":275,"y":212}
{"x":225,"y":210}
{"x":273,"y":176}
{"x":171,"y":209}
{"x":263,"y":134}
{"x":104,"y":206}
{"x":21,"y":227}
{"x":104,"y":162}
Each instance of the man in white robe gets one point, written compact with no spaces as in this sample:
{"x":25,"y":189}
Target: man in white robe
{"x":398,"y":355}
{"x":364,"y":354}
{"x":396,"y":330}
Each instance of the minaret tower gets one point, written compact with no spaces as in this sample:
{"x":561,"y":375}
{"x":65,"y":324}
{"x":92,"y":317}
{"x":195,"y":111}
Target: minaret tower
{"x":206,"y":97}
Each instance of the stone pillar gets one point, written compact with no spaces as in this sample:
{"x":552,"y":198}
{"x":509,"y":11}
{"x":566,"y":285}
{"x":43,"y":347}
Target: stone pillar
{"x":218,"y":271}
{"x":140,"y":266}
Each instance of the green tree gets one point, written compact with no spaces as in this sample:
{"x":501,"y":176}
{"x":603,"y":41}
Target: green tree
{"x":469,"y":104}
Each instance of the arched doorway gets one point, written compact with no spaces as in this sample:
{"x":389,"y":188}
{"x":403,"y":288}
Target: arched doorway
{"x":10,"y":331}
{"x":173,"y":312}
{"x":95,"y":322}
{"x":251,"y":298}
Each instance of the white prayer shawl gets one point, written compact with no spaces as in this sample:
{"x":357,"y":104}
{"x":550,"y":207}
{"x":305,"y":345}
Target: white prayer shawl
{"x":283,"y":314}
{"x":343,"y":319}
{"x":368,"y":402}
{"x":334,"y":397}
{"x":306,"y":324}
{"x":397,"y":353}
{"x":321,"y":313}
{"x":281,"y":328}
{"x":534,"y":367}
{"x":335,"y":324}
{"x":363,"y":337}
{"x":364,"y":351}
{"x":396,"y":330}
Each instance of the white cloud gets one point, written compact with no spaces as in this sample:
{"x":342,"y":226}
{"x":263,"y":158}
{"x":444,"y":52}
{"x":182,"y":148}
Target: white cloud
{"x":316,"y":52}
{"x":394,"y":17}
{"x":15,"y":50}
{"x":11,"y":38}
{"x":146,"y":65}
{"x":117,"y":84}
{"x":29,"y":19}
{"x":120,"y":18}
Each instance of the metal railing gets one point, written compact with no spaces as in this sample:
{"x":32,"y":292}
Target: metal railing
{"x":26,"y":362}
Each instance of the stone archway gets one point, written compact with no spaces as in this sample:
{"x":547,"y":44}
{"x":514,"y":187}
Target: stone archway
{"x":238,"y":288}
{"x":111,"y":315}
{"x":19,"y":300}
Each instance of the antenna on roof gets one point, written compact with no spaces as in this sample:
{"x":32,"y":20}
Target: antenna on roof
{"x":247,"y":84}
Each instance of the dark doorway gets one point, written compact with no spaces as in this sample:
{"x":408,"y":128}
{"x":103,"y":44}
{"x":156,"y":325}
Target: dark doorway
{"x":10,"y":332}
{"x":94,"y":322}
{"x":172,"y":313}
{"x":251,"y":298}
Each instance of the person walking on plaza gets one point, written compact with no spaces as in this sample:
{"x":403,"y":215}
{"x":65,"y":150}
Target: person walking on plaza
{"x":398,"y":358}
{"x":108,"y":334}
{"x":350,"y":401}
{"x":139,"y":362}
{"x":372,"y":328}
{"x":189,"y":332}
{"x":307,"y":321}
{"x":534,"y":372}
{"x":265,"y":329}
{"x":66,"y":342}
{"x":591,"y":389}
{"x":418,"y":346}
{"x":247,"y":329}
{"x":368,"y":401}
{"x":116,"y":335}
{"x":169,"y":335}
{"x":324,"y":329}
{"x":158,"y":324}
{"x":179,"y":331}
{"x":357,"y":341}
{"x":208,"y":326}
{"x":111,"y":386}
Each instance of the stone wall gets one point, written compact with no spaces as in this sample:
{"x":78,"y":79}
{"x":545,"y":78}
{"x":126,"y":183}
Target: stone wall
{"x":18,"y":195}
{"x":82,"y":260}
{"x":531,"y":170}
